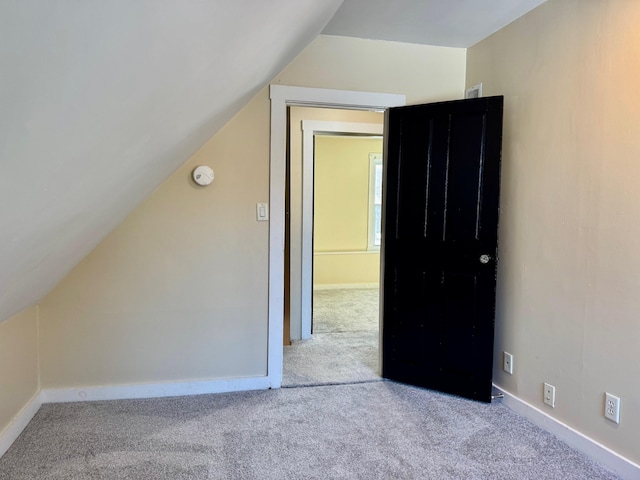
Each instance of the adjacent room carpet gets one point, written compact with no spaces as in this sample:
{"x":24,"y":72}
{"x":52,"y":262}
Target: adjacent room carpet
{"x":344,"y":347}
{"x":345,"y":310}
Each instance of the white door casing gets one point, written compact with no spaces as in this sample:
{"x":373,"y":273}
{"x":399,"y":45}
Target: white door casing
{"x":282,"y":97}
{"x":301,"y":328}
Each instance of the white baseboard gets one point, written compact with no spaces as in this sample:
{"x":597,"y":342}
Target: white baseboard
{"x":19,"y":422}
{"x":593,"y":449}
{"x":154,"y":390}
{"x":345,"y":286}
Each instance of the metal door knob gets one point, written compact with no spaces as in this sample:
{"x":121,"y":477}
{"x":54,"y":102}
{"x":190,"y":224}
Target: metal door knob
{"x":484,"y":259}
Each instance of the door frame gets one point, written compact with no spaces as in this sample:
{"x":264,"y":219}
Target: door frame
{"x":310,"y":128}
{"x":282,"y":97}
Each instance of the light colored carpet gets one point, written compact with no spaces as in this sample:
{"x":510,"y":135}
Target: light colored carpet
{"x":332,"y":358}
{"x":345,"y":310}
{"x":344,"y":347}
{"x":379,"y":430}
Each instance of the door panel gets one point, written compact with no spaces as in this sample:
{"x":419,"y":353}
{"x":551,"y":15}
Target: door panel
{"x":441,"y":199}
{"x":464,"y":177}
{"x":412,"y":178}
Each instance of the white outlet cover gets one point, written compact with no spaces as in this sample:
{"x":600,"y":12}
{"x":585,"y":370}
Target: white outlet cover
{"x":508,"y":363}
{"x":612,"y":407}
{"x":550,"y":395}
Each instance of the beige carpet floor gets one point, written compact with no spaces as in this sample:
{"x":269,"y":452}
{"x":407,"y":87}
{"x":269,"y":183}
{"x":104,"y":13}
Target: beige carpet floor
{"x":367,"y":431}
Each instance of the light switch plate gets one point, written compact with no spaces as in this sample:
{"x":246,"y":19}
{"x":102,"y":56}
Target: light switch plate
{"x":262,"y":212}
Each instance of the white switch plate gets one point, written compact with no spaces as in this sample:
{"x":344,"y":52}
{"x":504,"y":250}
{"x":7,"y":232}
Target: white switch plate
{"x":550,"y":395}
{"x":262,"y":212}
{"x":474,"y":91}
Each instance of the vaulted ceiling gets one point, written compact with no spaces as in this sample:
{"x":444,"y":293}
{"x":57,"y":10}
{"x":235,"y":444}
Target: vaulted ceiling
{"x":449,"y":23}
{"x":101,"y":101}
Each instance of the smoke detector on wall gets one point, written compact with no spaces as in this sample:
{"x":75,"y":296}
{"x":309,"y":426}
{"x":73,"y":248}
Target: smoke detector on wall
{"x":202,"y":175}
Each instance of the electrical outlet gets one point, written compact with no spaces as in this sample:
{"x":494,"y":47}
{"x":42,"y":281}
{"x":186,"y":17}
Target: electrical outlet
{"x":612,"y":407}
{"x":550,"y":395}
{"x":508,"y":363}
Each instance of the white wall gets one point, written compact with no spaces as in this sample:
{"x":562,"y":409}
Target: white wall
{"x":569,"y":272}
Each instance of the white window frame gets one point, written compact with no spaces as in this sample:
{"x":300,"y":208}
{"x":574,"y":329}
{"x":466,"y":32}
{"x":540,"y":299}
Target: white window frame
{"x":375,"y":160}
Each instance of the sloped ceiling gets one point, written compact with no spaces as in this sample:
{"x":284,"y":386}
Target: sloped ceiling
{"x":101,"y":101}
{"x":449,"y":23}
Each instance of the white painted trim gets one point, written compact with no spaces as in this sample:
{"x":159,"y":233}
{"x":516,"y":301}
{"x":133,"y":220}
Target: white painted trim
{"x":153,"y":390}
{"x":311,"y":128}
{"x":19,"y":423}
{"x":344,"y":286}
{"x":319,"y":127}
{"x":281,"y":97}
{"x":356,"y":252}
{"x":375,"y":159}
{"x":323,"y":97}
{"x":572,"y":437}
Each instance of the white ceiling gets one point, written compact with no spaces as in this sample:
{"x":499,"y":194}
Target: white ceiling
{"x":101,"y":101}
{"x":450,"y":23}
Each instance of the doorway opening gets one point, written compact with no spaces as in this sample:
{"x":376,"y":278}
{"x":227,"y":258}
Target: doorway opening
{"x":283,"y":97}
{"x":333,"y":263}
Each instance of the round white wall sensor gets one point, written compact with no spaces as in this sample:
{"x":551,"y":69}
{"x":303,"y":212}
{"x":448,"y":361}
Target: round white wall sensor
{"x":202,"y":175}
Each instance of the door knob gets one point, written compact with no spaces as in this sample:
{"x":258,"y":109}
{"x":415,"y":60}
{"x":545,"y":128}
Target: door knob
{"x":484,"y":259}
